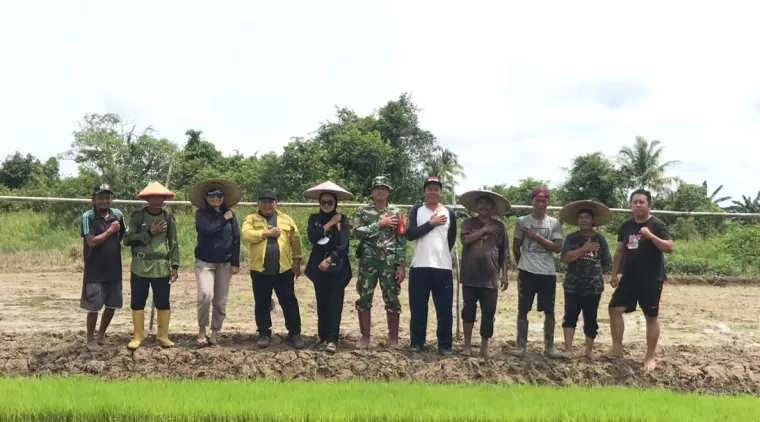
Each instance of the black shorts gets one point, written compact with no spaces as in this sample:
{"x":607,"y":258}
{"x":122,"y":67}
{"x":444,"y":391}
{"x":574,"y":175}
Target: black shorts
{"x":632,"y":291}
{"x":97,"y":295}
{"x":530,"y":285}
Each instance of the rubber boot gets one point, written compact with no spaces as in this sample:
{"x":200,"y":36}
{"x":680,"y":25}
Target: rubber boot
{"x":365,"y":325}
{"x":393,"y":323}
{"x":549,"y":341}
{"x":522,"y":339}
{"x":138,"y":321}
{"x":163,"y":328}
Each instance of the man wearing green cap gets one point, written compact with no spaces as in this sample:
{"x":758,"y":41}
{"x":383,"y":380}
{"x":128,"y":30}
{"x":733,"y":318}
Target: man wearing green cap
{"x":380,"y":228}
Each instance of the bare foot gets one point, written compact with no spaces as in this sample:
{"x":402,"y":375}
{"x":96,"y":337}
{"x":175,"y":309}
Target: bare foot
{"x":649,"y":364}
{"x":467,"y":351}
{"x":363,"y":343}
{"x":568,"y":354}
{"x":614,"y":353}
{"x":101,"y":340}
{"x":484,"y":353}
{"x":591,"y":355}
{"x":392,"y":343}
{"x":93,"y":345}
{"x":214,"y":338}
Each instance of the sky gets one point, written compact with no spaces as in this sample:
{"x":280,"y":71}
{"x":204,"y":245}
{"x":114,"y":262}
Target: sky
{"x":516,"y":89}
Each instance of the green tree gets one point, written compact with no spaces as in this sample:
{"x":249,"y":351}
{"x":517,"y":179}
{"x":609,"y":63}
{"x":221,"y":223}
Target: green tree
{"x":746,"y":206}
{"x":714,"y":195}
{"x":593,"y":176}
{"x":643,"y":167}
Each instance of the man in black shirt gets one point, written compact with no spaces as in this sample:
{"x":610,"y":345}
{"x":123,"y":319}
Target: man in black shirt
{"x":638,"y":273}
{"x":102,"y":229}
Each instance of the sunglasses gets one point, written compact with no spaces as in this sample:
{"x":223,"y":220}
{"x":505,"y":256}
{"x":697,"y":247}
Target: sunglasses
{"x":219,"y":195}
{"x":327,"y":203}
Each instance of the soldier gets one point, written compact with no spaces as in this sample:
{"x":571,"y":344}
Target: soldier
{"x":380,"y":228}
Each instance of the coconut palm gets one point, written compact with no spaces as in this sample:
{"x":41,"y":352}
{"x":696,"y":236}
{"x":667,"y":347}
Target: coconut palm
{"x":445,"y":164}
{"x":713,"y":196}
{"x":642,"y":165}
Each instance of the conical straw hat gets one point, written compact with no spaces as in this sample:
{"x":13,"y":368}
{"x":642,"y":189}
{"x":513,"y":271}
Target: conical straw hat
{"x":339,"y":192}
{"x":469,"y":199}
{"x":155,"y":189}
{"x":569,"y":213}
{"x":232,"y":192}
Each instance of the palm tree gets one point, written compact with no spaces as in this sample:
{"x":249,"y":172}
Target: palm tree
{"x":748,"y":206}
{"x":445,"y":164}
{"x":641,"y":164}
{"x":715,"y":193}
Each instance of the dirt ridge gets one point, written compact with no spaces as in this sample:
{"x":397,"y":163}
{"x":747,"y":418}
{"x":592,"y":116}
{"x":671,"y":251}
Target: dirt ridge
{"x":686,"y":368}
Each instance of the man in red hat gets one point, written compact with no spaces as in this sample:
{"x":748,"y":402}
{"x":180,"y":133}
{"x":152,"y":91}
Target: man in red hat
{"x":433,"y":228}
{"x":537,"y":238}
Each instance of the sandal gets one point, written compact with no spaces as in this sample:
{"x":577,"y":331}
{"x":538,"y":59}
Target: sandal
{"x":331,"y":348}
{"x":203,"y":341}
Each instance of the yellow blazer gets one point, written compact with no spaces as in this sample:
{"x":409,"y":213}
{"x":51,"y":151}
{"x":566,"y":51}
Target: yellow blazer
{"x":289,"y":240}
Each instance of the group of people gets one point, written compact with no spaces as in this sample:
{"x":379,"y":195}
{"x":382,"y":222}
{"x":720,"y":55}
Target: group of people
{"x":382,"y":230}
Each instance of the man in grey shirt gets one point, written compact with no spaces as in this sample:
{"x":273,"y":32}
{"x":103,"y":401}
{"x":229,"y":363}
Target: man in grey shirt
{"x":537,"y":237}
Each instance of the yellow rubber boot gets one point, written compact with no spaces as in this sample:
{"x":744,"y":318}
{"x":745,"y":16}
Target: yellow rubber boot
{"x":163,"y":328}
{"x":138,"y":321}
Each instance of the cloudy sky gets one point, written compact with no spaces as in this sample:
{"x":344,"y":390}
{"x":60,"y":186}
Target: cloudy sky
{"x":515,"y":88}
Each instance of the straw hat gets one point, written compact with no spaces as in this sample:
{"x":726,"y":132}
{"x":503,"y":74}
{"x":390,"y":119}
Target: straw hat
{"x":330,"y":187}
{"x":155,"y":189}
{"x":469,"y":199}
{"x":569,"y":213}
{"x":232,"y":192}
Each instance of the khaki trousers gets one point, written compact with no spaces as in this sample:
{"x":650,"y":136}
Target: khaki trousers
{"x":213,"y":286}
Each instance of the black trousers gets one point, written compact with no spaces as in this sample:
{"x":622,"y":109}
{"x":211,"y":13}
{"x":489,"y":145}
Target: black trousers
{"x":283,"y":285}
{"x":423,"y":282}
{"x":140,"y":288}
{"x":329,"y":296}
{"x":574,"y":305}
{"x":487,"y":298}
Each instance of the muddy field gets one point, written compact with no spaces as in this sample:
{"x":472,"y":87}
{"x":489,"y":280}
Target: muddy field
{"x":709,"y":340}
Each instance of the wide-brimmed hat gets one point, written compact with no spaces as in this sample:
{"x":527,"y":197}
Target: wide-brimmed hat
{"x":569,"y":213}
{"x":501,"y":204}
{"x":232,"y":192}
{"x":380,"y":181}
{"x":329,"y":187}
{"x":155,"y":189}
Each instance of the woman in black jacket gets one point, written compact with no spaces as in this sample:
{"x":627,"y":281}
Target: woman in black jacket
{"x":217,"y":253}
{"x":329,"y":267}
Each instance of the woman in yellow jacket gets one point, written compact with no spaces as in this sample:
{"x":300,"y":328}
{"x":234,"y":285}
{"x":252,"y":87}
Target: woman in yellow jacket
{"x":275,"y":250}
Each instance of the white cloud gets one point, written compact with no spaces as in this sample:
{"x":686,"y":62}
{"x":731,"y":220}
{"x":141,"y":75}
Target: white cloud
{"x":516,"y":89}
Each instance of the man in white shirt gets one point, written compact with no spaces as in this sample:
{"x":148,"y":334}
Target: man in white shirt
{"x":433,"y":228}
{"x":537,"y":238}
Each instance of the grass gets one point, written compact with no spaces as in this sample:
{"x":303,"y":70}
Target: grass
{"x":51,"y":239}
{"x":80,"y":398}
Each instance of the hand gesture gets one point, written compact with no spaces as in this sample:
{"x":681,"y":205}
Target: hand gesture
{"x":173,"y":276}
{"x":490,"y":229}
{"x":114,"y":227}
{"x":646,"y":233}
{"x":335,"y":219}
{"x":325,"y":264}
{"x":590,"y":247}
{"x":530,"y":233}
{"x":228,"y":215}
{"x":400,"y":274}
{"x":158,"y":227}
{"x":388,"y":221}
{"x":272,"y":232}
{"x":438,"y":219}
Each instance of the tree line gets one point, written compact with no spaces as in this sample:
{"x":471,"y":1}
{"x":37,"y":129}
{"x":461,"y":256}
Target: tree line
{"x":350,"y":150}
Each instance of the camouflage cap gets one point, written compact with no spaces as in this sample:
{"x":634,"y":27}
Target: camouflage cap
{"x":380,"y":181}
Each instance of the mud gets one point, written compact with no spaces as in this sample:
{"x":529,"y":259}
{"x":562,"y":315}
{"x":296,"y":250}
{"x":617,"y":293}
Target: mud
{"x":709,"y":341}
{"x":682,"y":368}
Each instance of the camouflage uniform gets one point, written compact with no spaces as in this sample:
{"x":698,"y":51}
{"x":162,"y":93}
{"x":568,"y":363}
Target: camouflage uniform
{"x":380,"y":251}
